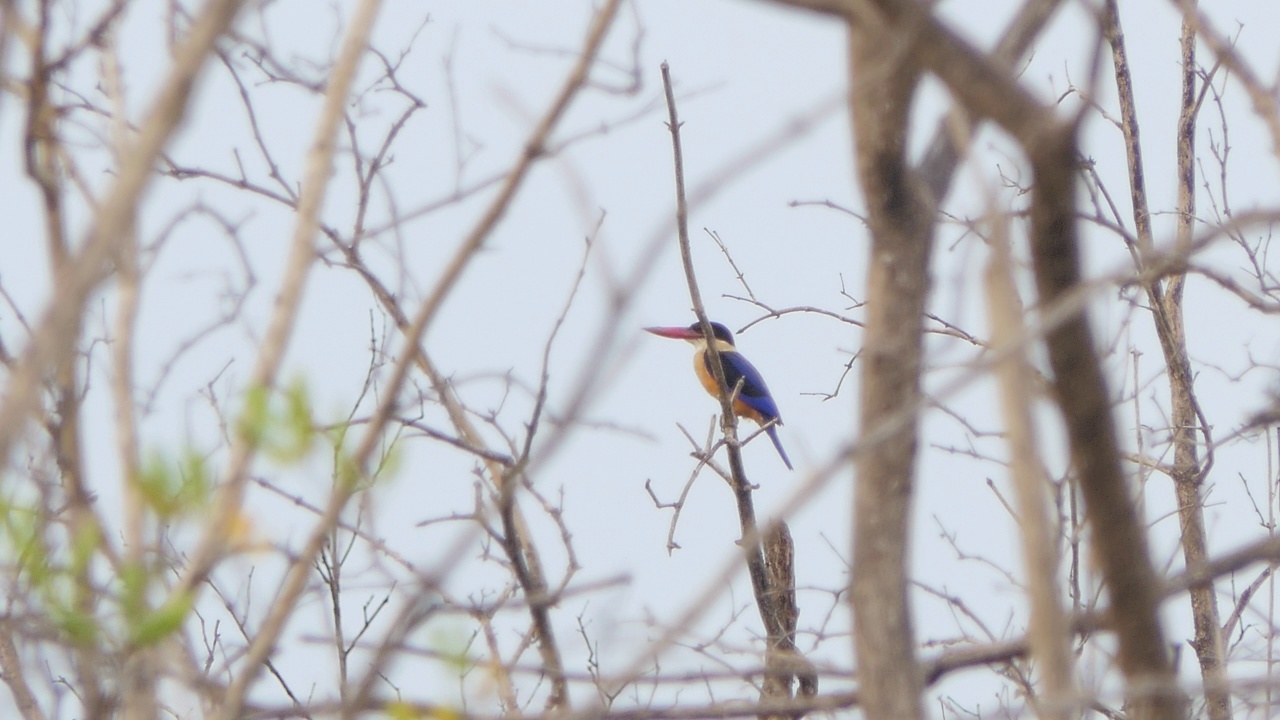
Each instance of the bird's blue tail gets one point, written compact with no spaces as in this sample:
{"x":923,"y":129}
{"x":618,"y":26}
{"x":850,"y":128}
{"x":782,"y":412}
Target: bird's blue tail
{"x":773,"y":435}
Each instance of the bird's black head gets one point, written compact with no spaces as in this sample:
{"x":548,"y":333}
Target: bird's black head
{"x":719,"y":331}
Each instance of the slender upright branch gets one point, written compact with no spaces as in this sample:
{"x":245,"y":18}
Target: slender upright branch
{"x":777,"y":615}
{"x":1188,"y":471}
{"x":1165,"y":296}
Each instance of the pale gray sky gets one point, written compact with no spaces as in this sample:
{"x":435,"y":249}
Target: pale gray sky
{"x":745,"y":72}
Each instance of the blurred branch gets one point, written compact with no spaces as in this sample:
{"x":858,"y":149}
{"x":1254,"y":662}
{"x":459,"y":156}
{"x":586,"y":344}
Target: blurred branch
{"x":516,"y":537}
{"x":14,"y":677}
{"x":227,"y":508}
{"x":943,"y":156}
{"x":1120,"y":544}
{"x":53,"y":342}
{"x":1048,"y":636}
{"x":883,"y":78}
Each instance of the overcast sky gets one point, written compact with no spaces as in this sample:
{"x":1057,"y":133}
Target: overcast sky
{"x":766,"y":134}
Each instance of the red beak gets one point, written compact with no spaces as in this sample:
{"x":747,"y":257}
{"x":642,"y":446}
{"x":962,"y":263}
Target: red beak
{"x":676,"y":333}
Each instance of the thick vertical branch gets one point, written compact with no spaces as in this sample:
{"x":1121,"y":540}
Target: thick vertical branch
{"x":526,"y":565}
{"x":783,"y":660}
{"x":137,"y":686}
{"x":882,"y":80}
{"x":1118,"y":538}
{"x":1261,"y":93}
{"x":988,"y":91}
{"x":1119,"y":543}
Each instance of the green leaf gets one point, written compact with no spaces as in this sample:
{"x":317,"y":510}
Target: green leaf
{"x":161,"y":622}
{"x":254,"y":419}
{"x":22,"y":528}
{"x":80,"y":628}
{"x":283,"y":428}
{"x":297,"y":425}
{"x":83,"y":548}
{"x":174,"y":487}
{"x":347,"y":472}
{"x":133,"y":596}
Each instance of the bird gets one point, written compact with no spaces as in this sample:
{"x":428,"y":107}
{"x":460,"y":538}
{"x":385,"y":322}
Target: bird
{"x":753,"y":400}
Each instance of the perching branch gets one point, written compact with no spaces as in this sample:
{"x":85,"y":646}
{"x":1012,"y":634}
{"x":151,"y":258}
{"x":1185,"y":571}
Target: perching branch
{"x":778,"y":616}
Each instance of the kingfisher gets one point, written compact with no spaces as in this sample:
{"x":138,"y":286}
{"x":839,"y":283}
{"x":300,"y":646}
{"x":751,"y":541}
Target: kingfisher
{"x":753,"y":400}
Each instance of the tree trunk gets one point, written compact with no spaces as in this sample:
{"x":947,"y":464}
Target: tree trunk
{"x":900,"y":219}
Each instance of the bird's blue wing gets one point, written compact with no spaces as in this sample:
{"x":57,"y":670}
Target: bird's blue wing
{"x":754,"y":392}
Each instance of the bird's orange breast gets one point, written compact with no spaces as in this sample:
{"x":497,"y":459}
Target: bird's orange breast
{"x":704,"y":375}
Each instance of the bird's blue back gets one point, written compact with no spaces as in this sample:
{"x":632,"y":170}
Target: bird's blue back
{"x":754,"y":392}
